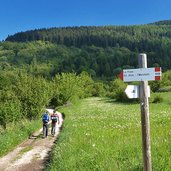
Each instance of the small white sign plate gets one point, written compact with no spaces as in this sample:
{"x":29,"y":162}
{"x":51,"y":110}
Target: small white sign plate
{"x":133,"y":91}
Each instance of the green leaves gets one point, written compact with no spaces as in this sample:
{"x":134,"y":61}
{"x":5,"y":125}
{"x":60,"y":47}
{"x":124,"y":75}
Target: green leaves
{"x":25,"y":96}
{"x":10,"y":107}
{"x":22,"y":96}
{"x":69,"y":86}
{"x":34,"y":94}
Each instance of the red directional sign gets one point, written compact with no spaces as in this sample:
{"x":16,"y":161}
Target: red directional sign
{"x":157,"y":73}
{"x":121,"y":76}
{"x":141,"y":74}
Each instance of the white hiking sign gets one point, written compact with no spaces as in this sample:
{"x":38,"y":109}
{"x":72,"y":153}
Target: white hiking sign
{"x":141,"y":74}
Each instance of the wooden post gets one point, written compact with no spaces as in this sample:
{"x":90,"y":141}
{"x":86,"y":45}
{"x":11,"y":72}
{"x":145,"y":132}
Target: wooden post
{"x":145,"y":121}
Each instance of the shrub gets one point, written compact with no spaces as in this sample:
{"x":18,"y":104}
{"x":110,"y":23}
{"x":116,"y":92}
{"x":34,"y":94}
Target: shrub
{"x":120,"y":95}
{"x":69,"y":86}
{"x":98,"y":90}
{"x":165,"y":89}
{"x":34,"y":93}
{"x":118,"y":90}
{"x":155,"y":85}
{"x":157,"y":99}
{"x":10,"y":108}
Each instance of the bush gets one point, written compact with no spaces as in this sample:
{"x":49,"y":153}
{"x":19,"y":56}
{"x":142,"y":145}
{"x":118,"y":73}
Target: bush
{"x":10,"y":108}
{"x":165,"y":89}
{"x":22,"y":96}
{"x":155,"y":85}
{"x":34,"y":94}
{"x":69,"y":86}
{"x":98,"y":90}
{"x":120,"y":95}
{"x":118,"y":91}
{"x":157,"y":99}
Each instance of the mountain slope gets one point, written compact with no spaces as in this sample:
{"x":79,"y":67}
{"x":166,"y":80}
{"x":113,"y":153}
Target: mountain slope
{"x":101,"y":51}
{"x":163,"y":22}
{"x":104,"y":36}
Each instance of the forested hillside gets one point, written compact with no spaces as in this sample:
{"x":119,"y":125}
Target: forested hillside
{"x":164,"y":22}
{"x":100,"y":51}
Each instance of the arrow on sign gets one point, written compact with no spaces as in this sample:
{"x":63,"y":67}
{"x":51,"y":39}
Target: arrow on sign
{"x":121,"y":75}
{"x":133,"y":91}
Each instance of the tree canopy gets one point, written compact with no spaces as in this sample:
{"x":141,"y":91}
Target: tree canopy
{"x":101,"y":51}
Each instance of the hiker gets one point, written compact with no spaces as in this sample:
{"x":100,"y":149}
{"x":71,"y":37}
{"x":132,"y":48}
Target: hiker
{"x":55,"y":119}
{"x":45,"y":120}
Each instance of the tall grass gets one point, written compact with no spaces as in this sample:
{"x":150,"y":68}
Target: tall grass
{"x":100,"y":134}
{"x":15,"y":134}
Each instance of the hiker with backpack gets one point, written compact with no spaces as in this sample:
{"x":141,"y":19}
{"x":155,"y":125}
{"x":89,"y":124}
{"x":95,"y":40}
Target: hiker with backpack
{"x":45,"y":120}
{"x":55,"y":119}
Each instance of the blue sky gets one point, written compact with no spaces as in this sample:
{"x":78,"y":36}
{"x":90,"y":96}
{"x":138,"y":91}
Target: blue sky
{"x":22,"y":15}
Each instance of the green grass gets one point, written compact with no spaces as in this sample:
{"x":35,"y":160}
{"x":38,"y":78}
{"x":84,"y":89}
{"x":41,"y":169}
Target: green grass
{"x":103,"y":135}
{"x":15,"y":134}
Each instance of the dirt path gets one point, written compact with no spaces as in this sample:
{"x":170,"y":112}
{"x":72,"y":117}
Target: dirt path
{"x":32,"y":154}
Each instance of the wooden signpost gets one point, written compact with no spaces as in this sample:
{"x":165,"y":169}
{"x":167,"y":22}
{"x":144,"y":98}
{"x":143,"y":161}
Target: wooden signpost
{"x":142,"y":74}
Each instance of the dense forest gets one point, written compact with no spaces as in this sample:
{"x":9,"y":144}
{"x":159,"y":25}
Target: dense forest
{"x":101,"y":51}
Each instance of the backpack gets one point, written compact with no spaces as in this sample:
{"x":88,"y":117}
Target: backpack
{"x":54,"y":118}
{"x":45,"y":118}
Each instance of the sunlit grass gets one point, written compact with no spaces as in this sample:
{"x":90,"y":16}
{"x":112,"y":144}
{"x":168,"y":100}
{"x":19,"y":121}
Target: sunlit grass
{"x":15,"y":134}
{"x":100,"y":134}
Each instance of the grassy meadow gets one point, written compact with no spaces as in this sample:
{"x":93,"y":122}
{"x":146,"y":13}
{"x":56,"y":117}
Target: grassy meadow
{"x":16,"y":133}
{"x":101,"y":134}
